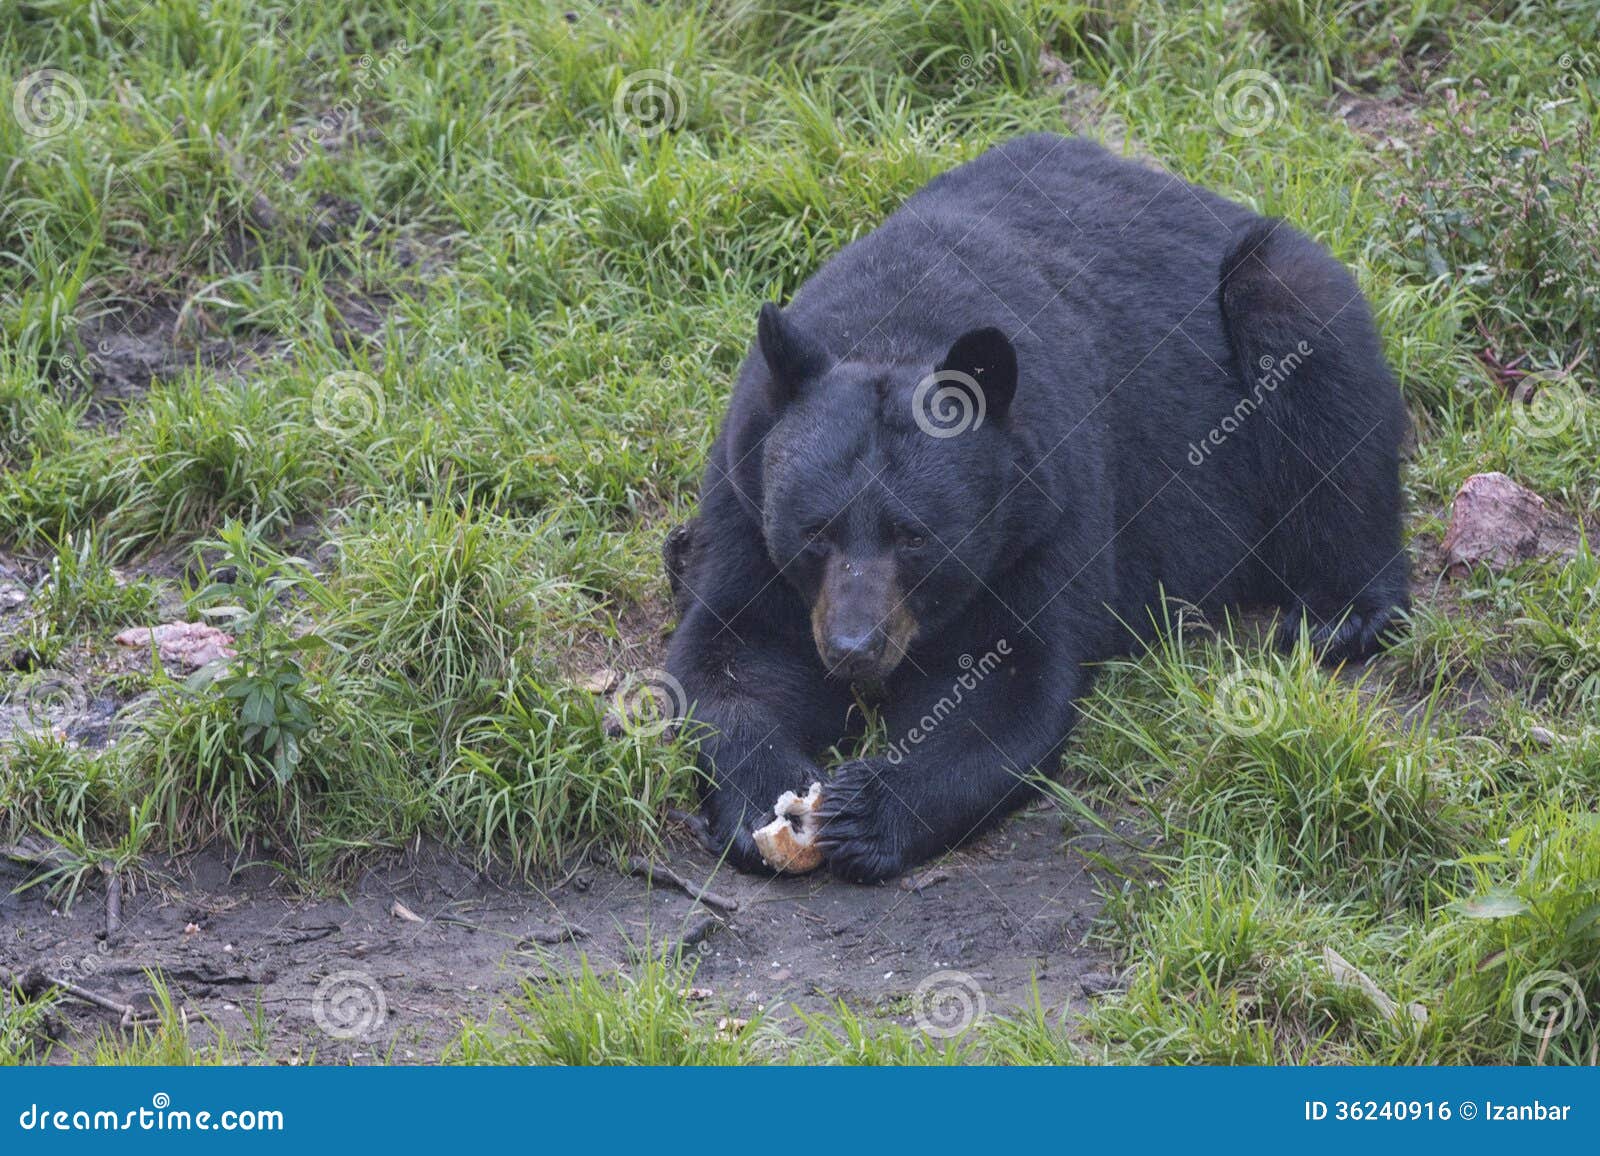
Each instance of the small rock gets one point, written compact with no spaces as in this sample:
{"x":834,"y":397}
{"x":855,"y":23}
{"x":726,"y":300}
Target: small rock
{"x":602,"y":681}
{"x":1545,"y":737}
{"x":186,"y":645}
{"x":1099,"y":983}
{"x":1494,"y":521}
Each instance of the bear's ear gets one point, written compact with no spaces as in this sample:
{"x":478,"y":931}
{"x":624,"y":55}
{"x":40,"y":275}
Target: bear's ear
{"x":792,"y":357}
{"x":986,"y":356}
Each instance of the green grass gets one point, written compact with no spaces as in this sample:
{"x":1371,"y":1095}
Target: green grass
{"x":441,"y":317}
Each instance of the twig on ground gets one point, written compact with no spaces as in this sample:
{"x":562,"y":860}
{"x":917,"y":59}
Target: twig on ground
{"x":930,"y":878}
{"x":35,"y":982}
{"x":113,"y":905}
{"x":549,"y":936}
{"x":656,"y":873}
{"x":693,"y":935}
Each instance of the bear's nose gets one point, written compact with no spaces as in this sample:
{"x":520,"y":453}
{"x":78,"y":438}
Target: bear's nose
{"x":853,"y":654}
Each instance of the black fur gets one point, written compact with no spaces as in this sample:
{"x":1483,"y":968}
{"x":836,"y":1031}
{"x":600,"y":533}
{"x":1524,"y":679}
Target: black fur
{"x":1116,"y":324}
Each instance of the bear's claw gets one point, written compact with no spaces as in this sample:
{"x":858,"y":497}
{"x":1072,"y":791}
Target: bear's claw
{"x":862,"y":825}
{"x":1358,"y":635}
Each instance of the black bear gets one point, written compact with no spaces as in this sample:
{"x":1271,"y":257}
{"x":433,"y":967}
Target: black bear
{"x":975,"y":451}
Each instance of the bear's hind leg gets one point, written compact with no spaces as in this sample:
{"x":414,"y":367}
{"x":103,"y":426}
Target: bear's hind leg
{"x":1347,"y":630}
{"x":1327,"y":419}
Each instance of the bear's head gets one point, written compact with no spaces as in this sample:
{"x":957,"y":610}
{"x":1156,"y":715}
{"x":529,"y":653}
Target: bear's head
{"x":882,"y":486}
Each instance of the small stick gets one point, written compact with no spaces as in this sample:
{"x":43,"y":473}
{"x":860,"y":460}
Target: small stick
{"x":34,"y":981}
{"x":656,"y":873}
{"x":698,"y":930}
{"x":113,"y":905}
{"x":553,"y":935}
{"x":1544,"y":1044}
{"x":927,"y":879}
{"x":692,"y":936}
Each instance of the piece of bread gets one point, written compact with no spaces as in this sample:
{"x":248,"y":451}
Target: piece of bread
{"x":788,"y":843}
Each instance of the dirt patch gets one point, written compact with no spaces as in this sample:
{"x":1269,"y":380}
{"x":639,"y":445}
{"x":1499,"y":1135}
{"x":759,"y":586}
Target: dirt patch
{"x":1014,"y":908}
{"x":1393,"y":122}
{"x":128,"y":347}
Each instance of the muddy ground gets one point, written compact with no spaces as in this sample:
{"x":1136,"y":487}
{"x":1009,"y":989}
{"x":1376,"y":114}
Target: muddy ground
{"x":1012,"y":910}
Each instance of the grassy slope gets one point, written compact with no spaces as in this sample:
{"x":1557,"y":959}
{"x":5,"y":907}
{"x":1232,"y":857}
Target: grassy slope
{"x":561,"y":292}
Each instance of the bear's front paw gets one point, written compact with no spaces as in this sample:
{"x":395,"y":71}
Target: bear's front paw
{"x":866,"y":828}
{"x":728,"y":829}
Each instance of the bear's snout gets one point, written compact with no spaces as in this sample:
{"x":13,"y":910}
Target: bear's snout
{"x":859,"y":620}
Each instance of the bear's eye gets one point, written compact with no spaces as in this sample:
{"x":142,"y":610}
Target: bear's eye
{"x":814,"y":532}
{"x":911,"y":540}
